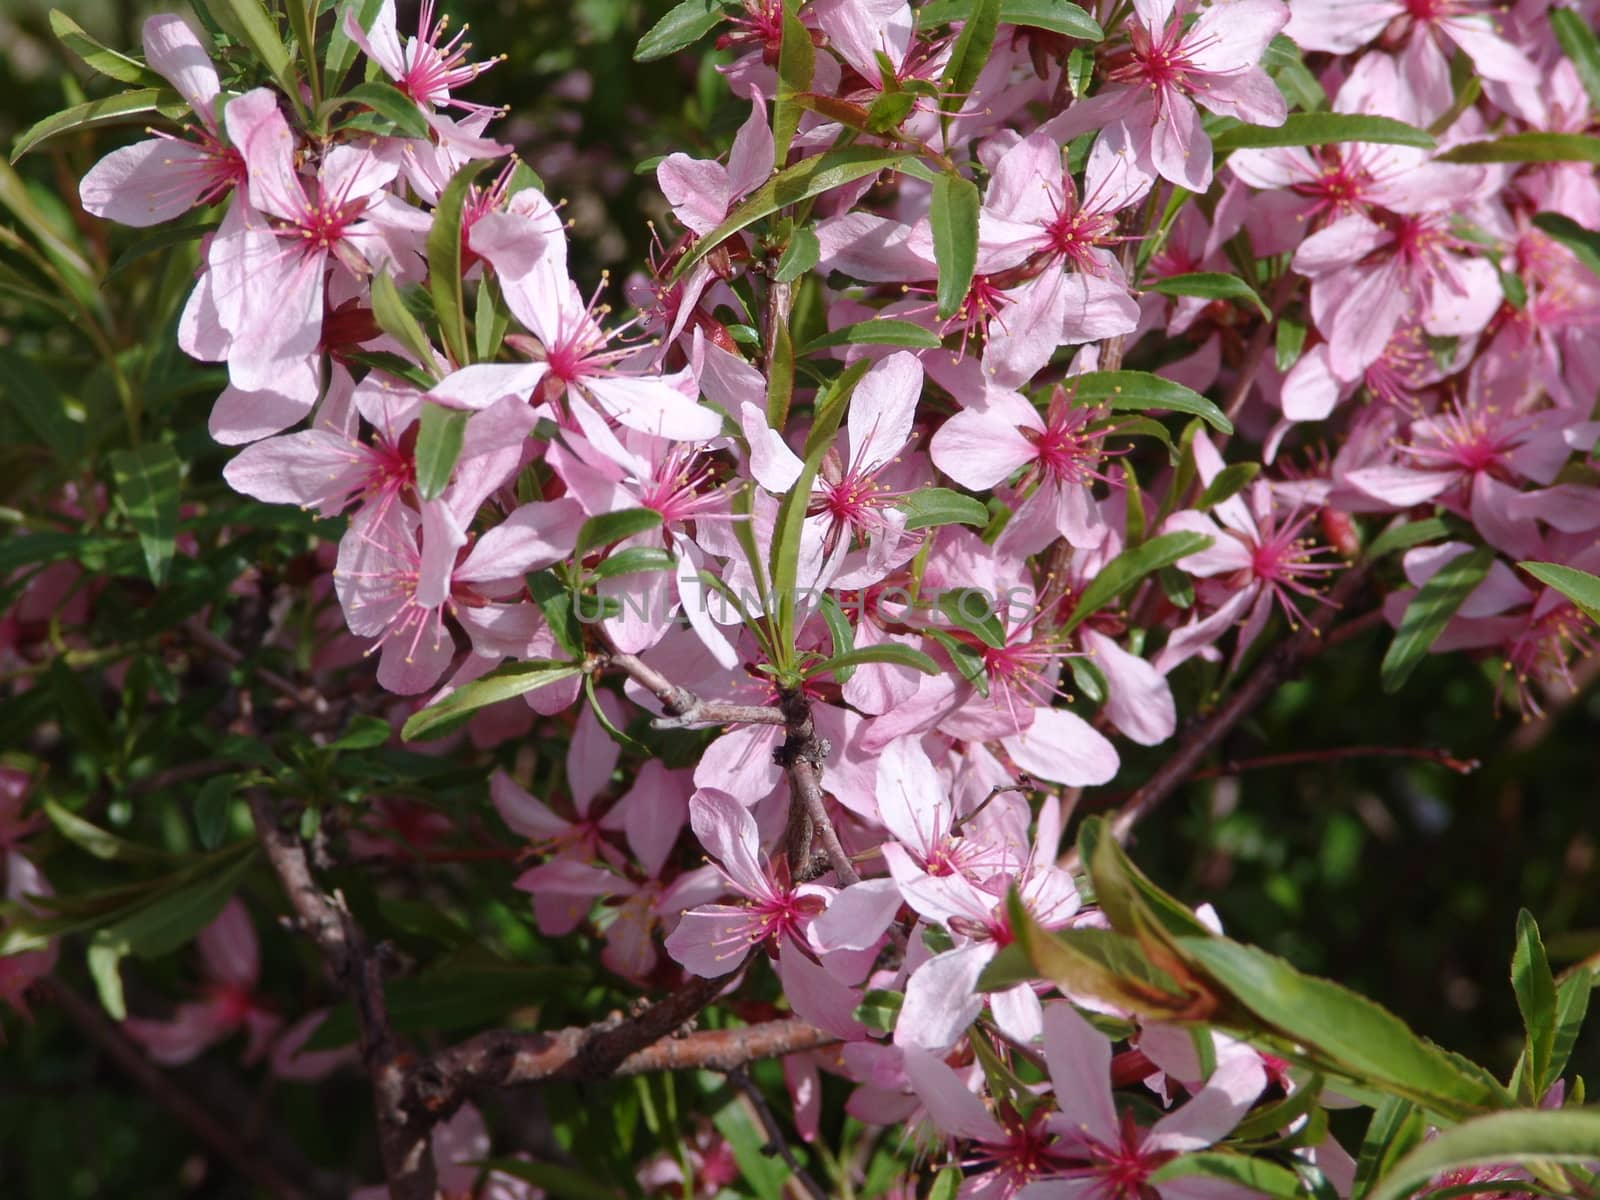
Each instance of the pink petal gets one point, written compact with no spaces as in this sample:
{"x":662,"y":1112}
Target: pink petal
{"x":1063,"y":748}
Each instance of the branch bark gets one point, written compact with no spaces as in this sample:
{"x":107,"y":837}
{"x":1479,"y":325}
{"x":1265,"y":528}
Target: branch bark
{"x":403,"y":1131}
{"x":801,"y":756}
{"x":685,"y":710}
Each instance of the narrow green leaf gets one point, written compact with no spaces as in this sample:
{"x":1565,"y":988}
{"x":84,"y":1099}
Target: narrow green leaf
{"x":490,"y":319}
{"x":249,"y":20}
{"x":1582,"y":588}
{"x":1572,"y":1005}
{"x":363,"y":733}
{"x":843,"y":636}
{"x":1578,"y":43}
{"x":1209,"y":285}
{"x":390,"y":103}
{"x":884,"y":331}
{"x":966,"y":660}
{"x":1257,"y":1175}
{"x":555,"y":601}
{"x":40,"y":406}
{"x":953,"y":213}
{"x":780,"y":377}
{"x":888,"y":652}
{"x":391,"y":364}
{"x":927,"y":508}
{"x":1088,"y":679}
{"x":1230,"y":481}
{"x":635,"y":560}
{"x":1583,"y":242}
{"x":811,"y":177}
{"x":1288,"y":339}
{"x":1352,"y":1033}
{"x":100,"y":58}
{"x":1565,"y":1135}
{"x":1131,"y":900}
{"x":947,"y":1184}
{"x":303,"y":25}
{"x":796,"y":61}
{"x":213,"y":806}
{"x":147,"y":481}
{"x":1527,"y":147}
{"x":178,"y":915}
{"x":103,"y":957}
{"x":395,"y":319}
{"x":101,"y":843}
{"x":799,"y":256}
{"x":682,"y":27}
{"x":503,"y":683}
{"x":1429,"y":612}
{"x":342,"y":50}
{"x":111,"y":110}
{"x":1057,"y":16}
{"x":972,"y":609}
{"x":440,"y":432}
{"x":164,"y":239}
{"x":1141,"y":390}
{"x":444,"y":262}
{"x":969,"y":54}
{"x":614,"y":527}
{"x":1125,"y":570}
{"x":1405,"y":535}
{"x":1321,"y":128}
{"x":1535,"y":988}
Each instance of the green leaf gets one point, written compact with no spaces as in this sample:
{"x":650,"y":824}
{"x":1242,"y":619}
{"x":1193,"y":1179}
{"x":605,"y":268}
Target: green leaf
{"x":972,"y":609}
{"x":1057,"y":16}
{"x":612,"y":527}
{"x":101,"y":843}
{"x":1405,"y":535}
{"x":1230,"y":481}
{"x":1132,"y":902}
{"x":39,"y":406}
{"x":1579,"y":44}
{"x":780,"y":376}
{"x":1535,"y":988}
{"x":1582,"y":588}
{"x":967,"y":661}
{"x":390,"y":103}
{"x":395,"y":319}
{"x":884,"y":331}
{"x":953,"y":214}
{"x":683,"y":26}
{"x":213,"y":806}
{"x":444,"y":262}
{"x":1572,"y":1005}
{"x":513,"y":679}
{"x":100,"y":58}
{"x":111,"y":110}
{"x":1346,"y":1029}
{"x":928,"y":508}
{"x":178,"y":915}
{"x":1288,"y":339}
{"x":147,"y":481}
{"x":1429,"y":612}
{"x":1567,"y":1135}
{"x":888,"y":652}
{"x":440,"y":432}
{"x":363,"y":733}
{"x":968,"y":57}
{"x":1396,"y":1126}
{"x":1210,"y":285}
{"x":1257,"y":1175}
{"x":249,"y":22}
{"x":1582,"y":241}
{"x":1141,"y":390}
{"x":799,"y":256}
{"x":635,"y":560}
{"x":341,"y":50}
{"x":1527,"y":147}
{"x":806,"y":179}
{"x":1320,"y":128}
{"x":163,"y":239}
{"x":391,"y":364}
{"x":554,"y":599}
{"x":1088,"y":678}
{"x":104,"y":960}
{"x":1128,"y":568}
{"x":796,"y":60}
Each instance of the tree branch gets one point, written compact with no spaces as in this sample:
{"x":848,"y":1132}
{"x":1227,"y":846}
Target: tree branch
{"x":403,"y":1133}
{"x":1280,"y":664}
{"x":1461,"y":766}
{"x":585,"y":1053}
{"x":685,"y":710}
{"x":776,"y":1143}
{"x":801,"y":757}
{"x":272,"y":1172}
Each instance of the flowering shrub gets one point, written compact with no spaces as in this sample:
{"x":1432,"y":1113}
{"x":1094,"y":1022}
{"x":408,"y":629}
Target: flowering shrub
{"x":1024,"y":395}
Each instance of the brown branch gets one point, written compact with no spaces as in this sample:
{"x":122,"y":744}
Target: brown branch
{"x":272,"y":1172}
{"x":403,"y":1132}
{"x":1280,"y":664}
{"x":1461,"y":766}
{"x":587,"y":1053}
{"x":685,"y":710}
{"x":801,"y":757}
{"x":197,"y":633}
{"x":777,"y":1144}
{"x":1256,"y":352}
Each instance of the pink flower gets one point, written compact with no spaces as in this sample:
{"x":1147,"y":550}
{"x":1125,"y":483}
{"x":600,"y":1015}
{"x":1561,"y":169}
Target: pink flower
{"x":426,"y":67}
{"x":165,"y":176}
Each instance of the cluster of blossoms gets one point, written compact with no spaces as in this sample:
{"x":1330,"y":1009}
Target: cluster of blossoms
{"x":1434,"y":356}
